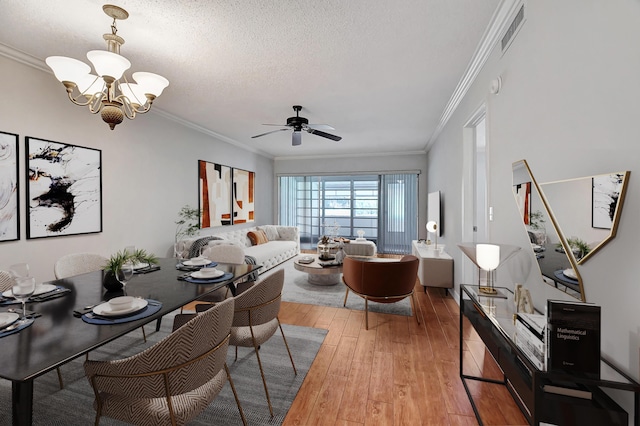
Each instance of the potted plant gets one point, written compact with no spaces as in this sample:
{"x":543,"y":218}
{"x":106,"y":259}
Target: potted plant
{"x":188,"y":223}
{"x":579,"y":247}
{"x":115,"y":262}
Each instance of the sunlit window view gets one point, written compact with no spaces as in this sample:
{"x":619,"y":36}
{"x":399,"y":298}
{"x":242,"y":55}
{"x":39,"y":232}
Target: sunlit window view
{"x":383,"y":206}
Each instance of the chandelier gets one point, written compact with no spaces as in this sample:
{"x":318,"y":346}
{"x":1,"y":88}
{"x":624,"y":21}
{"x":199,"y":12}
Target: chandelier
{"x":104,"y":91}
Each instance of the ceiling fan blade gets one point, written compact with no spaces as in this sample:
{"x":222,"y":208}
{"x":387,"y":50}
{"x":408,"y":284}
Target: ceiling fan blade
{"x":296,"y":138}
{"x":268,"y":133}
{"x":279,"y":125}
{"x":320,"y":126}
{"x":323,"y":134}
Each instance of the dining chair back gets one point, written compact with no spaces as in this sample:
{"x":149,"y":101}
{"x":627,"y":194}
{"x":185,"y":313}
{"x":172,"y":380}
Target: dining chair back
{"x":78,"y":263}
{"x":172,"y":381}
{"x":6,"y":281}
{"x":381,"y":281}
{"x":256,"y":319}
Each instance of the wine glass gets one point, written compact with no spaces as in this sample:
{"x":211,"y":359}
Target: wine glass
{"x":124,"y":274}
{"x":23,"y":288}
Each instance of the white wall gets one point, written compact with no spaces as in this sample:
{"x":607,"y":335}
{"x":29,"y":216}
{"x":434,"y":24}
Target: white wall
{"x":414,"y":161}
{"x":150,"y":170}
{"x":569,"y":106}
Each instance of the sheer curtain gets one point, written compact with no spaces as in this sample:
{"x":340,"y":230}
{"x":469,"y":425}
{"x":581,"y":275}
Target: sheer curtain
{"x":383,"y":206}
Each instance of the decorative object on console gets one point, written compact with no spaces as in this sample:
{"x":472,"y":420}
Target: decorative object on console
{"x":9,"y":188}
{"x":488,"y":258}
{"x":522,"y":299}
{"x":432,"y":226}
{"x":505,"y":252}
{"x":64,"y":190}
{"x":105,"y":92}
{"x":434,"y":210}
{"x":214,"y":194}
{"x":243,"y":196}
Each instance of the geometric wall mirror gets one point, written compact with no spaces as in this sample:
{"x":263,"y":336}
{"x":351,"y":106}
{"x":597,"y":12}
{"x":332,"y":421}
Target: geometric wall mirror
{"x":557,"y":266}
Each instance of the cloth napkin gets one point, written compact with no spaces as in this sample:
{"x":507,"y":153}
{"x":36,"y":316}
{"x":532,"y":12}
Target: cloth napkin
{"x":224,"y":277}
{"x":24,"y":325}
{"x":153,"y":307}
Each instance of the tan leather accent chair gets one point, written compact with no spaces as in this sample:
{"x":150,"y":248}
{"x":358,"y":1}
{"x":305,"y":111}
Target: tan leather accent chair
{"x":381,"y":281}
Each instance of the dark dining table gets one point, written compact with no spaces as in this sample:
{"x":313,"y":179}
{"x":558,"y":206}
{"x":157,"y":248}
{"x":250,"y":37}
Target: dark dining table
{"x":57,"y":336}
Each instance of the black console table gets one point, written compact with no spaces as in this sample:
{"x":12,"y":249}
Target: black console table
{"x":493,"y":319}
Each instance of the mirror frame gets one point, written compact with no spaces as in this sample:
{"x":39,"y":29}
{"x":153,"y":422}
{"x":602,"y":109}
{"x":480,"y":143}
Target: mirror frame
{"x":616,"y":215}
{"x":554,"y":223}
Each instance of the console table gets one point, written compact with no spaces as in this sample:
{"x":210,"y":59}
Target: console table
{"x":435,"y":268}
{"x":493,"y":320}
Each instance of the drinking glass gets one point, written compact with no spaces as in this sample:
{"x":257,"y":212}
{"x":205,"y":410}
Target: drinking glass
{"x":124,"y":274}
{"x":23,"y":288}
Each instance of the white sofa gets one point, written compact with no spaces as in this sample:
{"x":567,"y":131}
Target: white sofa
{"x":283,"y":244}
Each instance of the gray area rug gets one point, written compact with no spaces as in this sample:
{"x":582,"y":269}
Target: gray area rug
{"x":74,"y":404}
{"x":297,"y":289}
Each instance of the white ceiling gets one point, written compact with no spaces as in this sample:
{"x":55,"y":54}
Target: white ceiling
{"x":380,"y":72}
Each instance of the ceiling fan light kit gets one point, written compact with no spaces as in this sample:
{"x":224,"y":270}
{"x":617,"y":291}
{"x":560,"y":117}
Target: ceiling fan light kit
{"x":298,"y":125}
{"x":104,"y":92}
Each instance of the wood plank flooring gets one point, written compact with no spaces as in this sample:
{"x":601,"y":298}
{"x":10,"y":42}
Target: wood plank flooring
{"x":397,"y":372}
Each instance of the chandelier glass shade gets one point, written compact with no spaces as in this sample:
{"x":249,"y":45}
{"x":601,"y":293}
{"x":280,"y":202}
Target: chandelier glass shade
{"x":108,"y":91}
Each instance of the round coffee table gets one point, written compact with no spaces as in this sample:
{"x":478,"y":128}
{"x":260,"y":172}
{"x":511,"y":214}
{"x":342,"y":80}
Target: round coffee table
{"x":319,"y":275}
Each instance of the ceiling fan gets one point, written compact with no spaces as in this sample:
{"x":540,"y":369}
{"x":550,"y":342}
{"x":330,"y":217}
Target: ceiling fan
{"x":299,"y":124}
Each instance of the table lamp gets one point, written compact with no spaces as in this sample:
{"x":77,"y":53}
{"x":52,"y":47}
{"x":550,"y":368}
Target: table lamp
{"x":432,"y":226}
{"x":488,"y":258}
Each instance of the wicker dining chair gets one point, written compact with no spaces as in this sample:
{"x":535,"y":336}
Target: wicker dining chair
{"x":256,"y":319}
{"x":172,"y":381}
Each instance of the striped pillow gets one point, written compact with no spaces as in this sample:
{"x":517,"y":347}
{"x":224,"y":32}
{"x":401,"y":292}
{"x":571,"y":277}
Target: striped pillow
{"x":257,"y":237}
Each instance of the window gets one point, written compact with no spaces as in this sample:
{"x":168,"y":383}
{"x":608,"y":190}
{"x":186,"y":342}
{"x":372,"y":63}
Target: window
{"x":383,"y":206}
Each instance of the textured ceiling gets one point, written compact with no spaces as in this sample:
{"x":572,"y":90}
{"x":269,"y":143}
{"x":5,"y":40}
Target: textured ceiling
{"x":380,"y":72}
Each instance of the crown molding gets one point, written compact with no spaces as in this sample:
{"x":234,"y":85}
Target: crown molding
{"x":359,"y":156}
{"x":500,"y":20}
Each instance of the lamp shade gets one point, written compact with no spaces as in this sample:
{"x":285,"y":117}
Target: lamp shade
{"x":432,"y":226}
{"x":151,"y":83}
{"x":108,"y":63}
{"x":134,"y":92}
{"x":90,"y":84}
{"x":488,"y":256}
{"x":67,"y":69}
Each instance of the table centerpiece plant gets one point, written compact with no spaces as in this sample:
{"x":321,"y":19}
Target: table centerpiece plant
{"x":115,"y":262}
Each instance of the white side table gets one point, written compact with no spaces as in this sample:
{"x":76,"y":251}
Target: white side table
{"x":435,"y":269}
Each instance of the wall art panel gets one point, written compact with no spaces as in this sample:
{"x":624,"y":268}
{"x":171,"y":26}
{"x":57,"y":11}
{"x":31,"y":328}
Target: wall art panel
{"x":9,"y":194}
{"x":214,"y":194}
{"x":64,"y":189}
{"x":243,"y":196}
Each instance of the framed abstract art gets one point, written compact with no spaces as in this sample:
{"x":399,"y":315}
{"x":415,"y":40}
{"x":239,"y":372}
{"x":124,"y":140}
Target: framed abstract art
{"x":243,"y":196}
{"x":9,"y":194}
{"x":214,"y":194}
{"x":64,"y":189}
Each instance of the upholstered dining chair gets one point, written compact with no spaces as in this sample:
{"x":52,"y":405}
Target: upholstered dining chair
{"x":172,"y":381}
{"x":78,"y":263}
{"x":382,"y":282}
{"x":256,"y":319}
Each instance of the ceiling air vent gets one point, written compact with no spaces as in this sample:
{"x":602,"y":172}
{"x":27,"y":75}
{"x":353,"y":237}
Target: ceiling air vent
{"x":513,"y":29}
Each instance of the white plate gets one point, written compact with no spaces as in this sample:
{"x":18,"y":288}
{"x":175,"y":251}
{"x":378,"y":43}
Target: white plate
{"x":570,"y":273}
{"x":7,"y":318}
{"x":105,"y":309}
{"x":196,"y":262}
{"x":140,"y":266}
{"x":199,"y":275}
{"x":41,"y":288}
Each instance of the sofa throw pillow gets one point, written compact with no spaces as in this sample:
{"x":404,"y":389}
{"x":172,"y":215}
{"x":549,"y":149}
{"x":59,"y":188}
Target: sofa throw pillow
{"x":271,"y":231}
{"x":257,"y":237}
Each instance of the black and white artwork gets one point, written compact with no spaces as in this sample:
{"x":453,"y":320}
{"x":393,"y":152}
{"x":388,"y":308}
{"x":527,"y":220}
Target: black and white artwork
{"x":9,"y":211}
{"x":605,"y":196}
{"x":64,"y":190}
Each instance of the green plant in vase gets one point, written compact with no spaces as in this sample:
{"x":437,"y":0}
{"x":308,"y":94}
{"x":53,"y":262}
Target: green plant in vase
{"x":188,"y":223}
{"x":579,"y":247}
{"x":115,"y":262}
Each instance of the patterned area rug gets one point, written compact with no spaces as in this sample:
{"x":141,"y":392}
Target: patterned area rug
{"x":297,"y":289}
{"x":74,"y":404}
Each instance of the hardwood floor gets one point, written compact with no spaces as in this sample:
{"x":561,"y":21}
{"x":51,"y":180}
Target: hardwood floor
{"x":397,"y":372}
